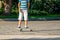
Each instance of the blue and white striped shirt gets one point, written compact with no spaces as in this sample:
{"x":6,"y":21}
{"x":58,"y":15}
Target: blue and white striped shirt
{"x":24,"y":4}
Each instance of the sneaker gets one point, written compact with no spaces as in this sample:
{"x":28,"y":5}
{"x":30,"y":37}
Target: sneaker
{"x":19,"y":28}
{"x":27,"y":28}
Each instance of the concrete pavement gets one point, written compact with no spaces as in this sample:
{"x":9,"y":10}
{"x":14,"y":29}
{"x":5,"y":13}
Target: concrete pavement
{"x":41,"y":29}
{"x":29,"y":37}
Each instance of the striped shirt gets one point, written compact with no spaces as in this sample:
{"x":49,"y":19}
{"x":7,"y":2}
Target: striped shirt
{"x":24,"y":4}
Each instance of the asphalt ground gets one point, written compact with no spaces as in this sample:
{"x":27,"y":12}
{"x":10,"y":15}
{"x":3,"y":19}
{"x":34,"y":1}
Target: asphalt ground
{"x":42,"y":30}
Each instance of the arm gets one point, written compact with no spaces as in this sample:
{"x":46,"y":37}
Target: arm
{"x":28,"y":4}
{"x":18,"y":6}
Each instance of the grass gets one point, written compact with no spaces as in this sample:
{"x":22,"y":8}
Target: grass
{"x":47,"y":16}
{"x":13,"y":16}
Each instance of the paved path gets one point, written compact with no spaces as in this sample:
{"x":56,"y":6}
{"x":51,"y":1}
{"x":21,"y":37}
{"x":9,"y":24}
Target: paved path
{"x":40,"y":29}
{"x":29,"y":37}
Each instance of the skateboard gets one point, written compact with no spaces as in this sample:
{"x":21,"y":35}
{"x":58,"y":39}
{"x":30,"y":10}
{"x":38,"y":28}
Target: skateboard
{"x":25,"y":30}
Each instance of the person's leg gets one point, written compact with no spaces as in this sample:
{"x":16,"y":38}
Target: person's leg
{"x":19,"y":23}
{"x":26,"y":18}
{"x":26,"y":23}
{"x":20,"y":19}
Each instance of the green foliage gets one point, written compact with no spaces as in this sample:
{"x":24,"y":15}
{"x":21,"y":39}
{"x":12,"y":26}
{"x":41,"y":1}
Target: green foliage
{"x":14,"y":11}
{"x":44,"y":7}
{"x":38,"y":13}
{"x":1,"y":11}
{"x":38,"y":7}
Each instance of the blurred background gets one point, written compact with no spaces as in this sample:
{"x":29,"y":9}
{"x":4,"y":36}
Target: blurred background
{"x":44,"y":17}
{"x":38,"y":8}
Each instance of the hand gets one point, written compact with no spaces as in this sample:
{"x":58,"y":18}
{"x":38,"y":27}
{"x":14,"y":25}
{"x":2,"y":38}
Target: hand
{"x":19,"y":9}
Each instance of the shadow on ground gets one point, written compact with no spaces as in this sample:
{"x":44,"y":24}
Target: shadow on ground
{"x":34,"y":39}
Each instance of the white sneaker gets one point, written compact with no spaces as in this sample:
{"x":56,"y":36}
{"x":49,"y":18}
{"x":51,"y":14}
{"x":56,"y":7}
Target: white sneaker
{"x":19,"y":28}
{"x":27,"y":28}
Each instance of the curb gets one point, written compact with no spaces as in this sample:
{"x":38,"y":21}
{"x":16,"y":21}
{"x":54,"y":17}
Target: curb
{"x":33,"y":19}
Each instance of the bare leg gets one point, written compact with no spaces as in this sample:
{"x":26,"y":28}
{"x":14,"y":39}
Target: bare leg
{"x":19,"y":23}
{"x":26,"y":23}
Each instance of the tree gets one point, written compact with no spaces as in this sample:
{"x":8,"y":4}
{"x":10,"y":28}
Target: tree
{"x":7,"y":7}
{"x":0,"y":3}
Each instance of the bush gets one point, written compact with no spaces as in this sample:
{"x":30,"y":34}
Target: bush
{"x":14,"y":10}
{"x":44,"y":13}
{"x":38,"y":13}
{"x":1,"y":11}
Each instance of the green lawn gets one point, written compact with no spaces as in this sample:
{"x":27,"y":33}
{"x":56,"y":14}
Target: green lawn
{"x":16,"y":16}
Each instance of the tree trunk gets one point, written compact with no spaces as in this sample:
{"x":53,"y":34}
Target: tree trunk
{"x":7,"y":7}
{"x":0,"y":3}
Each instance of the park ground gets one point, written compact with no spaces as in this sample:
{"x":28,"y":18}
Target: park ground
{"x":47,"y":28}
